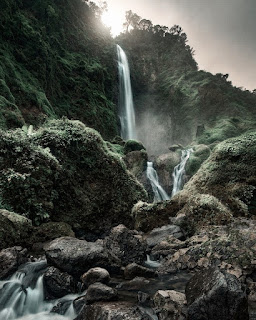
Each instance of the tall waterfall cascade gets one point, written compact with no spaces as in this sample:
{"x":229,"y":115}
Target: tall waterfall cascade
{"x":22,"y":296}
{"x":159,"y":193}
{"x":126,"y":107}
{"x":179,"y":171}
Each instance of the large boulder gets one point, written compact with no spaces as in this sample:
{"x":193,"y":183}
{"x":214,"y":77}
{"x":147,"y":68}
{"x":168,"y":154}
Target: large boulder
{"x":170,"y":305}
{"x":110,"y":311}
{"x":159,"y":234}
{"x":14,"y":229}
{"x":76,"y":256}
{"x":58,"y":284}
{"x":11,"y":259}
{"x":125,"y":246}
{"x":231,"y":247}
{"x":213,"y":294}
{"x":148,"y":216}
{"x":66,"y":172}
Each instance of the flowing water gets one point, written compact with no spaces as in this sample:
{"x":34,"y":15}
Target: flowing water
{"x":22,"y":296}
{"x":179,"y":171}
{"x":126,"y":108}
{"x":159,"y":193}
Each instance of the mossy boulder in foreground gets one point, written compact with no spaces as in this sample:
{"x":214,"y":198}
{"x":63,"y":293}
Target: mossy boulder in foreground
{"x":65,"y":172}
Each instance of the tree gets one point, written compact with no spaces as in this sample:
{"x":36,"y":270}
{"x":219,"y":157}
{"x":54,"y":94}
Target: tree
{"x":132,"y":20}
{"x":145,"y":24}
{"x":176,"y":30}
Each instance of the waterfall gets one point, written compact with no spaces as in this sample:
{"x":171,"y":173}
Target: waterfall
{"x":22,"y":296}
{"x":179,"y":171}
{"x":159,"y":193}
{"x":126,"y":108}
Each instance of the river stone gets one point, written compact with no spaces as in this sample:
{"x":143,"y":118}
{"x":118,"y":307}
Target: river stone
{"x":14,"y":229}
{"x":57,"y":283}
{"x":214,"y":294}
{"x":96,"y":275}
{"x":125,"y":245}
{"x":119,"y":310}
{"x":133,"y":270}
{"x":170,"y":304}
{"x":76,"y":256}
{"x":11,"y":259}
{"x":159,"y":234}
{"x":100,"y":292}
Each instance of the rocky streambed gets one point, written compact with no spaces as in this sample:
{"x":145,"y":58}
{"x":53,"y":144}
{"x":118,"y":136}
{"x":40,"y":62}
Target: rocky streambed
{"x":163,"y":274}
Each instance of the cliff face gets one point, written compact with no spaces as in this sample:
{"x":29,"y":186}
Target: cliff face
{"x":57,"y":60}
{"x":176,"y":103}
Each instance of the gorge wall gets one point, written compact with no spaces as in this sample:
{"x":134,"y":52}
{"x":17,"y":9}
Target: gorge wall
{"x":175,"y":102}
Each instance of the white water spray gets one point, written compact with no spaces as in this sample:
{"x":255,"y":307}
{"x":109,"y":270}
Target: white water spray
{"x":179,"y":171}
{"x":22,"y":296}
{"x":159,"y":193}
{"x":126,"y":108}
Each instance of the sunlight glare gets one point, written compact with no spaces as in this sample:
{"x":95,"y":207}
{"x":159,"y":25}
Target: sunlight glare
{"x":114,"y":20}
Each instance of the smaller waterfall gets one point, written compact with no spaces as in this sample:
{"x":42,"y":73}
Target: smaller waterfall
{"x":159,"y":193}
{"x":179,"y":171}
{"x":22,"y":296}
{"x":126,"y":108}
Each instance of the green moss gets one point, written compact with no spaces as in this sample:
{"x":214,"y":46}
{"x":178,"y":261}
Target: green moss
{"x":133,"y":145}
{"x":200,"y":154}
{"x":55,"y":62}
{"x":66,"y":172}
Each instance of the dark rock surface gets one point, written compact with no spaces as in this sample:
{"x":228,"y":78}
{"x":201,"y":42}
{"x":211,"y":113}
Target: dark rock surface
{"x":76,"y":256}
{"x":134,"y":270}
{"x":57,"y":283}
{"x":213,"y":294}
{"x":95,"y":275}
{"x":170,"y":305}
{"x":11,"y":259}
{"x":110,"y":311}
{"x":159,"y":234}
{"x":100,"y":292}
{"x":125,"y":246}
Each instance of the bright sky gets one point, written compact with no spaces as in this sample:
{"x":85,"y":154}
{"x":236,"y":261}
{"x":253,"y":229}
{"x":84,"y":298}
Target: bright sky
{"x":222,"y":32}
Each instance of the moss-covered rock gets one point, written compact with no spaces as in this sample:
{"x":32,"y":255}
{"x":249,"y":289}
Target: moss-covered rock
{"x":133,"y":145}
{"x":14,"y":229}
{"x":50,"y":231}
{"x":200,"y":154}
{"x":136,"y":162}
{"x":66,"y":172}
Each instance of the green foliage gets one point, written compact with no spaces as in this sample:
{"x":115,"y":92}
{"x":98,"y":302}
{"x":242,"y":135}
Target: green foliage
{"x":65,"y":171}
{"x":56,"y":60}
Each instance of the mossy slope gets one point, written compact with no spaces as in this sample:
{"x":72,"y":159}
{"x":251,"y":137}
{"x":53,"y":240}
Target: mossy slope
{"x":56,"y":59}
{"x":65,"y":172}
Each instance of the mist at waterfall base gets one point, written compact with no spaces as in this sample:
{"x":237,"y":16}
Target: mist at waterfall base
{"x":22,"y":296}
{"x":126,"y":108}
